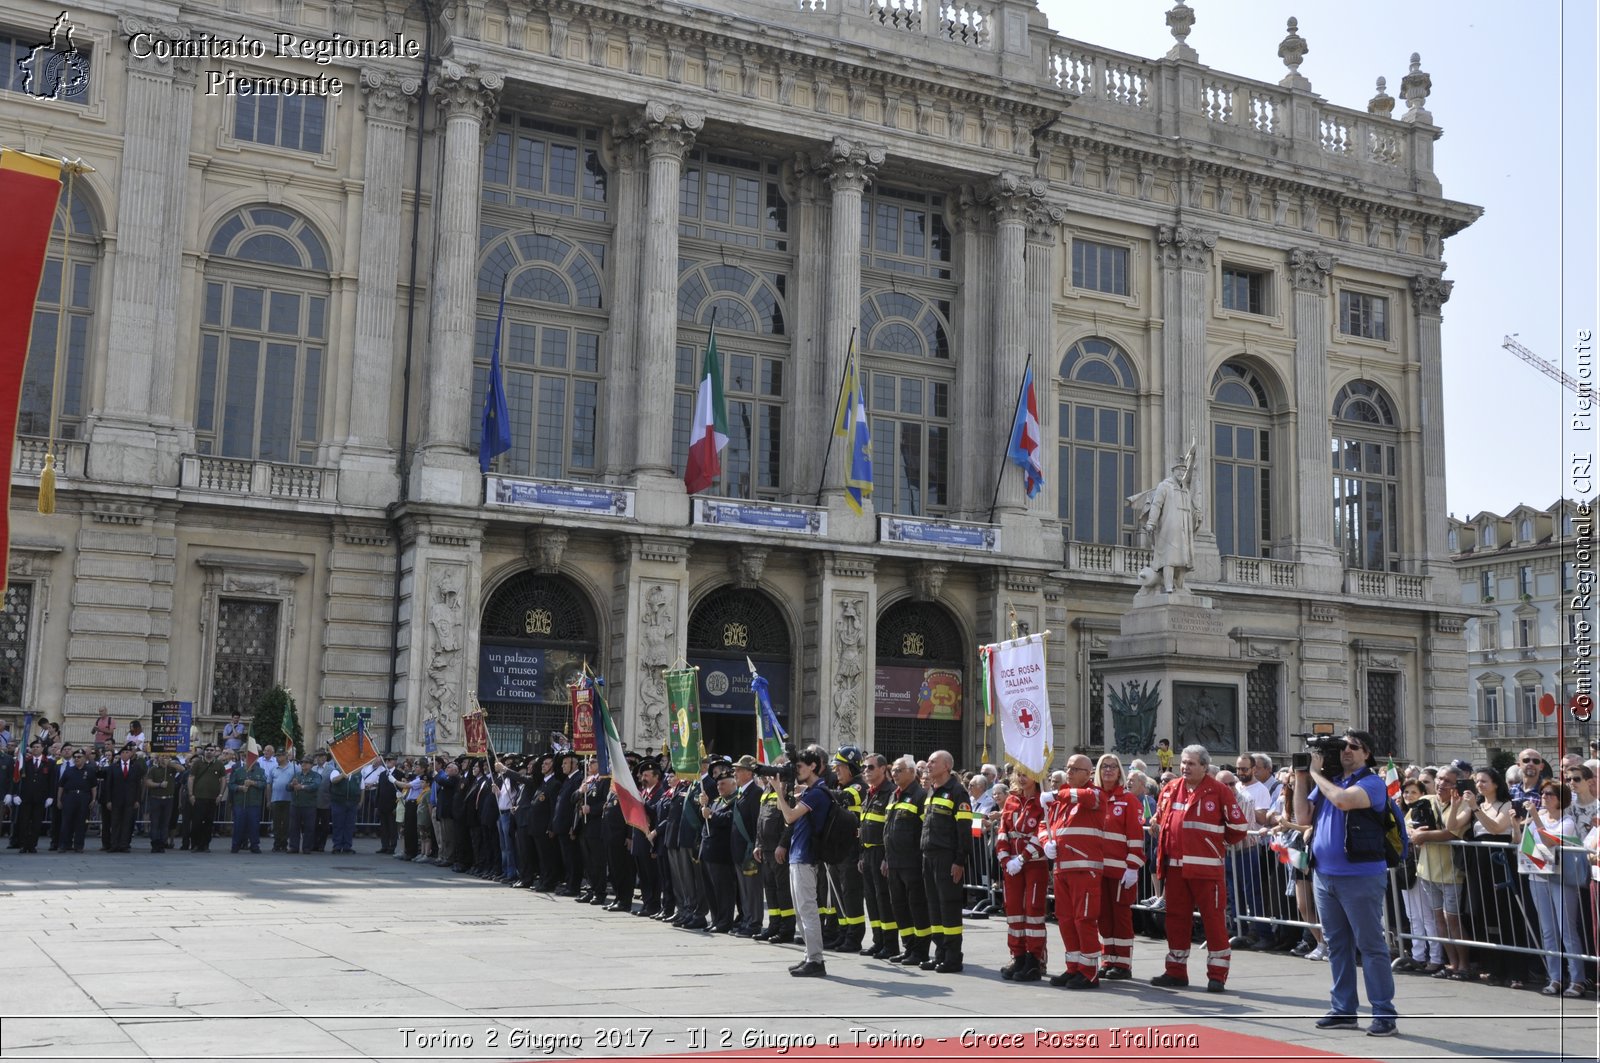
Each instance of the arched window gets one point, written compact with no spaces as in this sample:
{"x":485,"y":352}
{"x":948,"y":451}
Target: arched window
{"x":749,"y":305}
{"x":1098,"y":444}
{"x":1241,"y":462}
{"x":1366,"y":477}
{"x":550,"y":351}
{"x":905,"y":345}
{"x":263,"y":339}
{"x":62,"y":322}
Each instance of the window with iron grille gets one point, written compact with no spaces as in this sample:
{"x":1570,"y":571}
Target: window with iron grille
{"x":14,"y":623}
{"x":1383,"y":712}
{"x":894,"y":736}
{"x":245,"y":661}
{"x":1100,"y":267}
{"x":1261,"y":707}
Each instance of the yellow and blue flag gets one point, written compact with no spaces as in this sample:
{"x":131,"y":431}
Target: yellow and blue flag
{"x":850,"y":421}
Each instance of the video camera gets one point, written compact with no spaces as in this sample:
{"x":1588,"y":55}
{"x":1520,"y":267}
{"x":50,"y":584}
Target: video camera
{"x":1330,"y":746}
{"x":784,"y":772}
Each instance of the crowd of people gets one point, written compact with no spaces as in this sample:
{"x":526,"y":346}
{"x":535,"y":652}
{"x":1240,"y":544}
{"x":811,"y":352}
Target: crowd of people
{"x":741,"y":849}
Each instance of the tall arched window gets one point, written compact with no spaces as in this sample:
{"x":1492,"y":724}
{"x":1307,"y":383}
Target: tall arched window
{"x":550,"y":351}
{"x":1366,"y":478}
{"x":1098,"y":444}
{"x":62,"y":320}
{"x":1241,"y":462}
{"x":263,"y":339}
{"x":905,"y":340}
{"x":749,"y":307}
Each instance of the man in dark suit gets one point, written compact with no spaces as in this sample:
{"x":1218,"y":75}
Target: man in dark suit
{"x":746,"y":809}
{"x":592,"y":795}
{"x":564,"y":824}
{"x":645,"y":853}
{"x":548,"y":781}
{"x":36,"y":789}
{"x":382,"y":782}
{"x":75,"y":793}
{"x":123,"y":785}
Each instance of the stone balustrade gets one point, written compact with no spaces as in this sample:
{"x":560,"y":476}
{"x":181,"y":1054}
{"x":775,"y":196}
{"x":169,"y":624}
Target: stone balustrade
{"x":260,"y":479}
{"x":1261,"y":572}
{"x":28,"y":458}
{"x":1106,"y":560}
{"x":1394,"y":586}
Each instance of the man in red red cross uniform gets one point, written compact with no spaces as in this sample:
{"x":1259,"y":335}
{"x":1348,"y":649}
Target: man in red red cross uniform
{"x":1027,"y":881}
{"x":1073,"y":835}
{"x":1197,"y":819}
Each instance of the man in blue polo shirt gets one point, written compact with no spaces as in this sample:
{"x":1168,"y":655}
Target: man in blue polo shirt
{"x":1349,"y":881}
{"x":806,"y":817}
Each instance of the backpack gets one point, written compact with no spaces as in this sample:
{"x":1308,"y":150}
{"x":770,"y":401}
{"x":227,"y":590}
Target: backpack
{"x":1372,"y":834}
{"x":836,"y":841}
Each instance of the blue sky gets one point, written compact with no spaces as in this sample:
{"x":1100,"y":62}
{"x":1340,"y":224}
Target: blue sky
{"x":1518,"y":117}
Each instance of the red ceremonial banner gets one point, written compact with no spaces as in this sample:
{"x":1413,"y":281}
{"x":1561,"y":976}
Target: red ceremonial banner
{"x":582,"y":696}
{"x":30,"y":187}
{"x":475,"y":730}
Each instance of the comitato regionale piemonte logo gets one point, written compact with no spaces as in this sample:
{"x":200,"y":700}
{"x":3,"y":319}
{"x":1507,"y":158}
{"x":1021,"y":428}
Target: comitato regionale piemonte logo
{"x":56,"y":70}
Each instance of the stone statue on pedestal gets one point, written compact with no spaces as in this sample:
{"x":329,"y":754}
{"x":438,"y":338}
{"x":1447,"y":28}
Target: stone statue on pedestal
{"x":1169,"y":514}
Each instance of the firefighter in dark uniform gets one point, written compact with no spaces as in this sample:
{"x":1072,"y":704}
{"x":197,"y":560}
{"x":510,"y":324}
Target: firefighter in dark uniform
{"x":850,"y":915}
{"x":771,"y":834}
{"x":902,"y":864}
{"x":946,"y":844}
{"x":874,"y":817}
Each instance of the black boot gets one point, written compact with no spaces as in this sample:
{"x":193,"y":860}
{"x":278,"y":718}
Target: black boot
{"x":931,"y":963}
{"x":890,"y":947}
{"x":916,"y":952}
{"x":877,"y":944}
{"x":1030,"y":970}
{"x":1009,"y":971}
{"x":784,"y":933}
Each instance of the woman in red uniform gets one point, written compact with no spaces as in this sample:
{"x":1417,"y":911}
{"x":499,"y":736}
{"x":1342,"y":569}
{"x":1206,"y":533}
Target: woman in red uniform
{"x":1122,"y":855}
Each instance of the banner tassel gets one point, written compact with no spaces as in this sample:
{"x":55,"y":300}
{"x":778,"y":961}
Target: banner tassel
{"x":47,"y":485}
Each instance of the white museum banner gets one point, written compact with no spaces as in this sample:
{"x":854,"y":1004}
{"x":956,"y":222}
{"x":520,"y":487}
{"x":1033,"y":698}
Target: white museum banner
{"x":1017,"y":694}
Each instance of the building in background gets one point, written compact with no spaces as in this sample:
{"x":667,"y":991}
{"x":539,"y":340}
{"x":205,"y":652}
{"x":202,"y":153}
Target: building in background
{"x":1522,"y":571}
{"x":267,"y":332}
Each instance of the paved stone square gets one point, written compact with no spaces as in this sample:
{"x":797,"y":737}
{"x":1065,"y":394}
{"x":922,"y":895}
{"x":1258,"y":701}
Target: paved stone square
{"x":336,"y":957}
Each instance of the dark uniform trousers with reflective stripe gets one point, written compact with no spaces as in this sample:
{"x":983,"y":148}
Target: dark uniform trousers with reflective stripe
{"x":880,"y":913}
{"x":944,"y":898}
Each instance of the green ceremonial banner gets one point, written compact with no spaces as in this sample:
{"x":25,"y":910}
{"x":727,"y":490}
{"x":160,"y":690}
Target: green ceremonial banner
{"x":683,"y":701}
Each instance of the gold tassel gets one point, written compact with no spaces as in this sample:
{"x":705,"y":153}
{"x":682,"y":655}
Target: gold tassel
{"x":47,"y":486}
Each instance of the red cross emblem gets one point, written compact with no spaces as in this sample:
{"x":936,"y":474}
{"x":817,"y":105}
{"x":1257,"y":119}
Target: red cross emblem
{"x":1026,"y":718}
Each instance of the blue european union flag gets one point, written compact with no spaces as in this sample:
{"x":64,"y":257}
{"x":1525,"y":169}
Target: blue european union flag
{"x":496,"y":435}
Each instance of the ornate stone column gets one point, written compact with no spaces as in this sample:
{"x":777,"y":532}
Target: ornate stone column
{"x":971,"y":471}
{"x":133,"y":439}
{"x":1044,"y":242}
{"x":847,"y":168}
{"x":1428,"y":296}
{"x":666,"y":132}
{"x":447,"y":469}
{"x":1321,"y":567}
{"x":841,"y":602}
{"x":367,"y":475}
{"x":810,"y":413}
{"x":1185,"y":272}
{"x":1010,"y":197}
{"x":650,"y":598}
{"x":626,"y":164}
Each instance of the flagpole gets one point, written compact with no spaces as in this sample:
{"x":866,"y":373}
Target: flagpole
{"x":844,"y":375}
{"x":1004,"y":454}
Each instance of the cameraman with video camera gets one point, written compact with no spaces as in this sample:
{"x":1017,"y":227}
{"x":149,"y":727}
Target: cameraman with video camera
{"x":806,"y":818}
{"x":1348,"y":871}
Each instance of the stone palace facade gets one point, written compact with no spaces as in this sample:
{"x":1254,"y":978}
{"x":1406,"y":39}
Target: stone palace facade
{"x":266,"y":333}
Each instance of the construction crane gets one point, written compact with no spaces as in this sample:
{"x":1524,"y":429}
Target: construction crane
{"x":1549,"y":369}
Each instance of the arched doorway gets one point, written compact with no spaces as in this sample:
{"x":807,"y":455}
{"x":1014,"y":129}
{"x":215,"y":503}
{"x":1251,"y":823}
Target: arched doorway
{"x":729,"y":625}
{"x":537,"y":631}
{"x":920,"y":685}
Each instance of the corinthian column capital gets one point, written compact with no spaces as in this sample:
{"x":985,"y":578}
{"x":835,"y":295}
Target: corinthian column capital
{"x":1429,"y":294}
{"x":389,"y":96}
{"x":1309,"y":269}
{"x":1010,"y":196}
{"x":155,"y":48}
{"x":1185,"y":246}
{"x":666,"y":129}
{"x":851,"y":166}
{"x":466,"y":90}
{"x":1044,"y":222}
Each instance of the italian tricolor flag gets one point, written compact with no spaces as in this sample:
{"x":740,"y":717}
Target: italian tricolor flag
{"x":615,"y":759}
{"x":1391,"y":778}
{"x":708,"y":434}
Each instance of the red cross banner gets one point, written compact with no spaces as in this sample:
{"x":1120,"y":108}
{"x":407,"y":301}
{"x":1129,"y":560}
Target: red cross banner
{"x":1018,"y":694}
{"x":30,"y":186}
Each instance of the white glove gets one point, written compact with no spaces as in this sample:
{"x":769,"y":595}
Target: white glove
{"x":1047,"y":797}
{"x":49,"y":801}
{"x":1130,"y":877}
{"x":1014,"y":865}
{"x":13,"y":799}
{"x":1072,"y":795}
{"x":1050,"y":849}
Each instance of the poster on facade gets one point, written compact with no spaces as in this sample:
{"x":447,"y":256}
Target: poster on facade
{"x":581,"y":696}
{"x":475,"y":730}
{"x":169,"y":726}
{"x":917,"y":693}
{"x":510,"y":673}
{"x":683,"y":710}
{"x":430,"y":736}
{"x":725,"y":687}
{"x":589,"y":499}
{"x":766,"y":516}
{"x":931,"y":532}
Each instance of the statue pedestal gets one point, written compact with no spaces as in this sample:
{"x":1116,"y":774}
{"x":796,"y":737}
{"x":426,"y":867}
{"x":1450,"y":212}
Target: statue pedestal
{"x":1173,"y":673}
